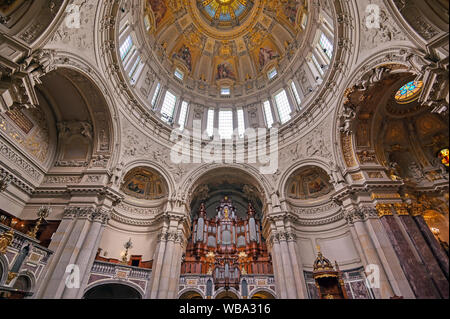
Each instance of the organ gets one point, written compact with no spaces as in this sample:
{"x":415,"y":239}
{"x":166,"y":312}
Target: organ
{"x":226,"y":246}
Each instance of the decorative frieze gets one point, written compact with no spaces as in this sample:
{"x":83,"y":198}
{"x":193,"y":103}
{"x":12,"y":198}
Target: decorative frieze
{"x":17,"y":159}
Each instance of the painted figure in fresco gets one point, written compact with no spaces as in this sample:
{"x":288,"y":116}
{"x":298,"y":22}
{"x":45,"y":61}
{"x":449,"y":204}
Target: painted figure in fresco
{"x":159,"y":9}
{"x":266,"y":55}
{"x":225,"y":71}
{"x":184,"y":54}
{"x":134,"y":187}
{"x":316,"y":186}
{"x":291,"y":9}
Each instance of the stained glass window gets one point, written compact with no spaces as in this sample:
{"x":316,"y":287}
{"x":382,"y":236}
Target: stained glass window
{"x":444,"y":156}
{"x":409,"y":92}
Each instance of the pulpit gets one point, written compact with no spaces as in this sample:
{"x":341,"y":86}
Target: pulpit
{"x":329,"y":282}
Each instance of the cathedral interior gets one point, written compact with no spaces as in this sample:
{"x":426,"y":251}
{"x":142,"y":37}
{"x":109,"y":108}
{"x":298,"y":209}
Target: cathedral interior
{"x":224,"y":149}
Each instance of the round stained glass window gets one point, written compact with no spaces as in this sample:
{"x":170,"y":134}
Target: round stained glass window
{"x":409,"y":92}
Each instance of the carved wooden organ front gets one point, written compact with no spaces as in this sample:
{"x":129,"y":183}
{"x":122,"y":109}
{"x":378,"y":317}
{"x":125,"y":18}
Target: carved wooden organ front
{"x":226,"y":246}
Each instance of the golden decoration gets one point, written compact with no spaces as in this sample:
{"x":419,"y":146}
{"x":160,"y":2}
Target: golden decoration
{"x":11,"y":276}
{"x":401,"y":209}
{"x":347,"y":150}
{"x":384,"y":210}
{"x":43,"y":213}
{"x":385,"y":196}
{"x":5,"y":240}
{"x":357,"y":177}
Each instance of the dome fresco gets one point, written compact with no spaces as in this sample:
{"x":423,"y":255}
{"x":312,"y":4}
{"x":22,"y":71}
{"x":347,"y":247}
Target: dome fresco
{"x":225,"y":42}
{"x":224,"y":149}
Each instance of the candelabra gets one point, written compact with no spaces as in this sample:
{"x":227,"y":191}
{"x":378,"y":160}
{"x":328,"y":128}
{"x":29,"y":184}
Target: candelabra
{"x":128,"y":245}
{"x":42,"y":213}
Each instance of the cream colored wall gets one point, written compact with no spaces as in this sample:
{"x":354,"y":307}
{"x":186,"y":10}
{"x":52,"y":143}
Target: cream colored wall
{"x":335,"y":245}
{"x":113,"y":240}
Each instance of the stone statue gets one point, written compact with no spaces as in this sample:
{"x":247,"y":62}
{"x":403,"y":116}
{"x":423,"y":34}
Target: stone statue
{"x":117,"y":173}
{"x":336,"y":174}
{"x":5,"y":180}
{"x":394,"y":171}
{"x":375,"y":76}
{"x":347,"y":117}
{"x":415,"y":171}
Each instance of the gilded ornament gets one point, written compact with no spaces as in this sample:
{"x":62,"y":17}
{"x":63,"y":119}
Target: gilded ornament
{"x":401,"y":209}
{"x":384,"y":210}
{"x":5,"y":240}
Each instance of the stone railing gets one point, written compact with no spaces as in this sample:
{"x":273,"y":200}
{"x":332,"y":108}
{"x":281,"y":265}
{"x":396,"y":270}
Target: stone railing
{"x":111,"y":272}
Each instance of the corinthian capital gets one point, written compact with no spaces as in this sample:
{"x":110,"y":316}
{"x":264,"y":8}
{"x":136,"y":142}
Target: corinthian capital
{"x":101,"y":215}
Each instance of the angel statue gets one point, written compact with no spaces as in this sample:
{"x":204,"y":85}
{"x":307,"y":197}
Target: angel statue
{"x":346,"y":118}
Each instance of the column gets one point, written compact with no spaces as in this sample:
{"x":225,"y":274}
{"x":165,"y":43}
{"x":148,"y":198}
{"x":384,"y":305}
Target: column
{"x":414,"y":269}
{"x":167,"y":260}
{"x":370,"y":253}
{"x":278,"y":267}
{"x":432,"y":266}
{"x":287,"y":267}
{"x":87,"y":255}
{"x":75,"y":243}
{"x":416,"y":211}
{"x":297,"y":266}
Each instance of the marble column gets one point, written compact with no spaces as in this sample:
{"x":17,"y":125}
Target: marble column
{"x":416,"y":211}
{"x":428,"y":259}
{"x":377,"y":250}
{"x":413,"y":268}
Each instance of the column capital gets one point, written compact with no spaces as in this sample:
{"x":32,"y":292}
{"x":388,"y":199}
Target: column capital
{"x":360,"y":214}
{"x":384,"y":210}
{"x":100,"y":214}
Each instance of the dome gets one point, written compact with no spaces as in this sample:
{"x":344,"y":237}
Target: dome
{"x":262,"y":57}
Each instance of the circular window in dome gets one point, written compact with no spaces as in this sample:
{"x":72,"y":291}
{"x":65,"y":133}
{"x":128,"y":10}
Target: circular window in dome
{"x":225,"y":13}
{"x":409,"y":92}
